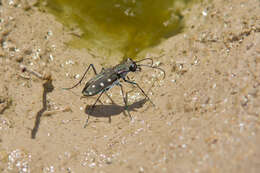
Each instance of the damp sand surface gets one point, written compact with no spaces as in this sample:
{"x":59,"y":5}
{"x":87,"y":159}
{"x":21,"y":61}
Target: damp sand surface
{"x":207,"y":113}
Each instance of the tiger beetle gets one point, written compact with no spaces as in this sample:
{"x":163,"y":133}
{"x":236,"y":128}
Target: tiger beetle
{"x":110,"y":77}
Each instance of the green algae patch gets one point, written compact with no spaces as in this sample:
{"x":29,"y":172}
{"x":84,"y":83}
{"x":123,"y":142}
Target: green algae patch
{"x":119,"y":27}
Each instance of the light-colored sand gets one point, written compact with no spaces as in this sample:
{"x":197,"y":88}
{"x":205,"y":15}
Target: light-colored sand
{"x":207,"y":117}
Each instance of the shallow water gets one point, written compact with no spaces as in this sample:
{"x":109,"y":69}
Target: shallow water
{"x":120,"y":26}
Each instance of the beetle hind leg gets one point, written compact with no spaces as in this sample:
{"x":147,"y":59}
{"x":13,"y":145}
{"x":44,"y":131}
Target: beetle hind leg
{"x":90,"y":66}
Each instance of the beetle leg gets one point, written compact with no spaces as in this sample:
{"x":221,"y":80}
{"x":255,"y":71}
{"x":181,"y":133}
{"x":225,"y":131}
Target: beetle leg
{"x":92,"y":107}
{"x":112,"y":101}
{"x":91,"y":65}
{"x":136,"y":84}
{"x":94,"y":69}
{"x":109,"y":119}
{"x":125,"y":100}
{"x":86,"y":123}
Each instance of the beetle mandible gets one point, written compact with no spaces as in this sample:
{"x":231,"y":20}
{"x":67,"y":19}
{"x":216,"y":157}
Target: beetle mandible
{"x":110,"y":77}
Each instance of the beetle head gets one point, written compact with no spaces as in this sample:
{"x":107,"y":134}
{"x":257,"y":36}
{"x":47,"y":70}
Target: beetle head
{"x":132,"y":65}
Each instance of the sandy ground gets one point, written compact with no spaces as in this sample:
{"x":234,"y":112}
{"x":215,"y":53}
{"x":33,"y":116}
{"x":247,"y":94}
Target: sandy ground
{"x":207,"y":113}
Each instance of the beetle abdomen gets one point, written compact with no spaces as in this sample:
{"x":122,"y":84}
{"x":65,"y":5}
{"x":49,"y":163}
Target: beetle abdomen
{"x":99,"y":83}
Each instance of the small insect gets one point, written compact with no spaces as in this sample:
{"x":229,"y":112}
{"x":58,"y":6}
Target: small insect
{"x":110,"y":77}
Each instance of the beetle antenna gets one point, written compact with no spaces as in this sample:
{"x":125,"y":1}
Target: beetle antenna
{"x":144,"y":65}
{"x":145,"y":60}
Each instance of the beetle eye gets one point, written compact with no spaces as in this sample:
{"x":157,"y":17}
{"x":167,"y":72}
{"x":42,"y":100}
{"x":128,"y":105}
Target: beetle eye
{"x":132,"y":67}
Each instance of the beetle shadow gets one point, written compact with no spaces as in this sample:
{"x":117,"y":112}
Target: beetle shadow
{"x":112,"y":109}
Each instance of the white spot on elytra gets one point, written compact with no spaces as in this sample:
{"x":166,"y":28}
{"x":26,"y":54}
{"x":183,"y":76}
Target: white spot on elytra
{"x":93,"y":86}
{"x":102,"y":84}
{"x":90,"y":93}
{"x":109,"y":80}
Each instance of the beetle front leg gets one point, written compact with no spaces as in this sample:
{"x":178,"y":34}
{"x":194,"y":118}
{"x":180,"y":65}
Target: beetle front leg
{"x":136,"y":84}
